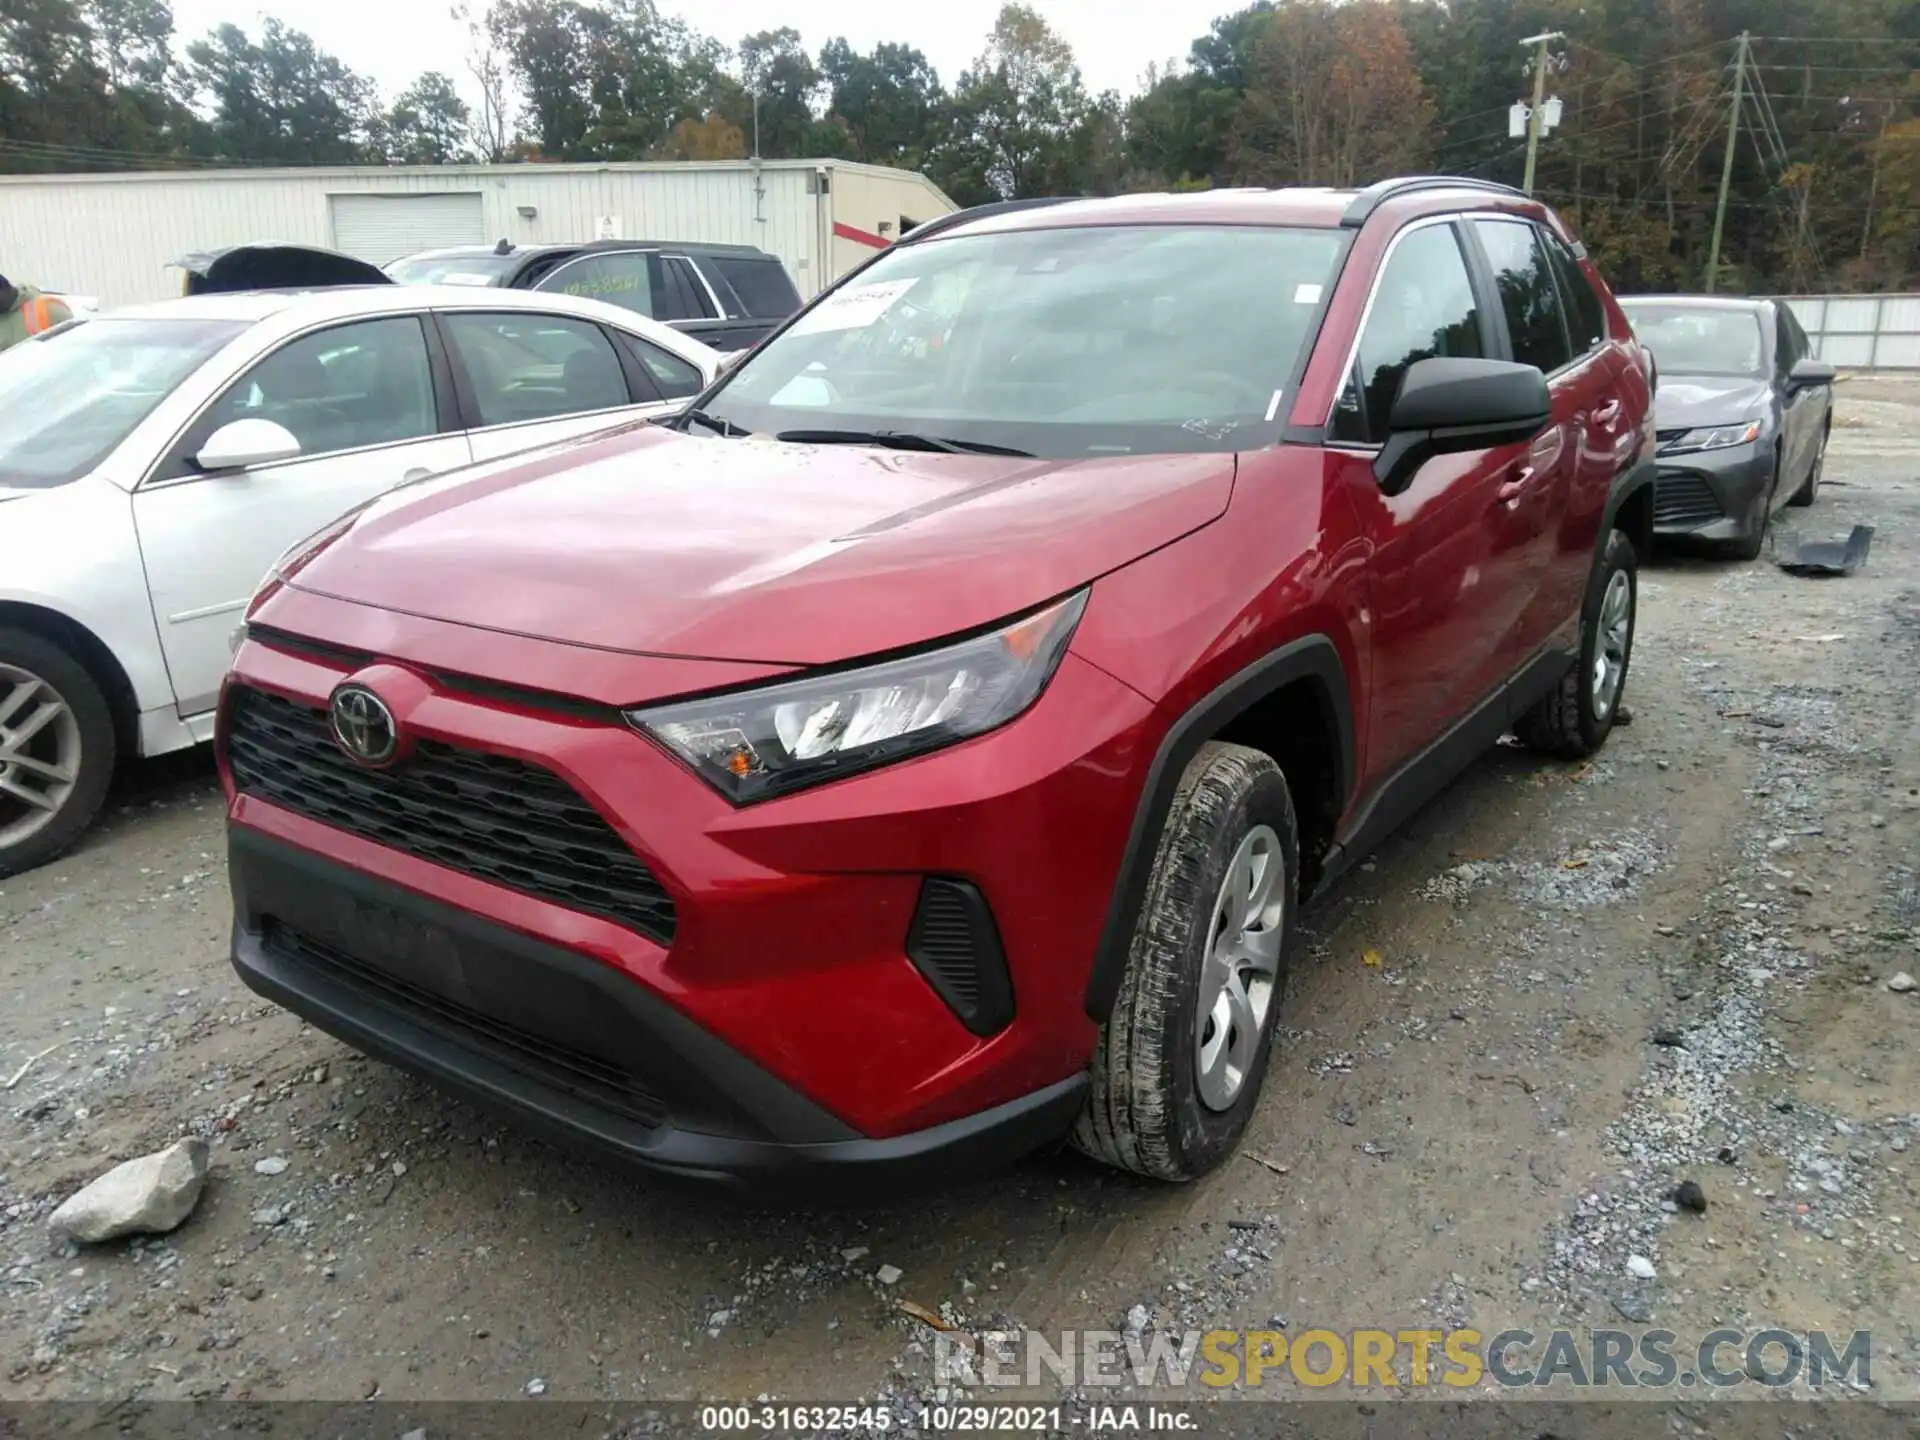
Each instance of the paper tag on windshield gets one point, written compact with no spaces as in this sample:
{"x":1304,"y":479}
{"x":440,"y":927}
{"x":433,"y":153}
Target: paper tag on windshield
{"x":1306,"y":294}
{"x":853,"y":308}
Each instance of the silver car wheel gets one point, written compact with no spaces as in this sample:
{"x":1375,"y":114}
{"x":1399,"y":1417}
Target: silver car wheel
{"x":1612,"y":644}
{"x":1239,"y":968}
{"x":39,"y":754}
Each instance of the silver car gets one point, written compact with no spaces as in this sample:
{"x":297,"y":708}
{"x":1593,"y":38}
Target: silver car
{"x":1743,"y":410}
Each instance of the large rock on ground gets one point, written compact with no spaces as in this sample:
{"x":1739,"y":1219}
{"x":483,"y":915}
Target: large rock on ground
{"x":150,"y":1195}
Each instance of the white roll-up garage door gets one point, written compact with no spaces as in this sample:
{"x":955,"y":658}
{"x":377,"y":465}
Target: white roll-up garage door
{"x":382,"y":228}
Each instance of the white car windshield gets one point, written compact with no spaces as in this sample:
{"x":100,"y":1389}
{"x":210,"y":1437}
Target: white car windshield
{"x":1091,"y":340}
{"x":67,"y":402}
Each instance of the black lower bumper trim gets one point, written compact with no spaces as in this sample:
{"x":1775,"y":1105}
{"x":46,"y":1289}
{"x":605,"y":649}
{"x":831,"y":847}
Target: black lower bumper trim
{"x":281,"y":891}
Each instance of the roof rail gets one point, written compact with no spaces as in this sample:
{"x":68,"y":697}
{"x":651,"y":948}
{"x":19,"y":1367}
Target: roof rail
{"x":940,"y":223}
{"x":1376,"y":195}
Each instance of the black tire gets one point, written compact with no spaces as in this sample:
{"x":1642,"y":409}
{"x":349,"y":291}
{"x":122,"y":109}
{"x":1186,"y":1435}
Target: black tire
{"x":1145,"y":1112}
{"x":1810,"y":487}
{"x":1566,"y":721}
{"x":1748,"y":547}
{"x":70,"y":680}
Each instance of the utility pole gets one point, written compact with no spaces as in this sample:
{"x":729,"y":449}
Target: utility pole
{"x":1726,"y":165}
{"x":1540,"y":43}
{"x":756,"y":121}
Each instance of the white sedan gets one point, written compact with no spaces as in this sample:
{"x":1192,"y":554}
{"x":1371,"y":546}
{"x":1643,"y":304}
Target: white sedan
{"x":156,"y":461}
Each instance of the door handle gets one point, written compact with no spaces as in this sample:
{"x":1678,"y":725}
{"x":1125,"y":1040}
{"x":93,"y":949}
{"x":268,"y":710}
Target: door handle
{"x":1511,"y":491}
{"x":419,"y":472}
{"x":1608,"y":413}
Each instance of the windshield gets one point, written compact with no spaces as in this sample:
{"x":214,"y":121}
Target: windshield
{"x":488,"y":269}
{"x":66,"y":403}
{"x":1058,"y":343}
{"x":1700,"y":339}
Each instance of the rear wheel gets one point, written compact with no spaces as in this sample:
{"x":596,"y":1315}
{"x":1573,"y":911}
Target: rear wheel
{"x":56,"y":750}
{"x":1180,"y":1061}
{"x":1574,"y":718}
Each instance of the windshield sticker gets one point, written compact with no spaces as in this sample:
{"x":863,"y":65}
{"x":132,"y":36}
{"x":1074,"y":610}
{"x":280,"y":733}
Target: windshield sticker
{"x":854,"y":308}
{"x":1306,"y":294}
{"x":1273,"y":405}
{"x":1211,"y":429}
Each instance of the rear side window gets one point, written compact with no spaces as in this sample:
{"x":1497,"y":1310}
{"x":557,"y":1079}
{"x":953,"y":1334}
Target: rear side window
{"x":1528,"y":296}
{"x":762,"y":285}
{"x":676,"y":378}
{"x":619,"y":279}
{"x":1424,"y":309}
{"x":536,"y":367}
{"x":682,"y":296}
{"x":1586,"y":321}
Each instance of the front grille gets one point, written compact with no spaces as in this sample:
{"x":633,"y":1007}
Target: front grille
{"x":490,"y":816}
{"x":1684,"y":502}
{"x":584,"y":1076}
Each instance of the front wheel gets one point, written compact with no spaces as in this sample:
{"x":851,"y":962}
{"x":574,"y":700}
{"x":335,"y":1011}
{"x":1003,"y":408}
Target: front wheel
{"x":1181,"y":1059}
{"x":1574,"y":718}
{"x":56,"y":750}
{"x":1810,"y":487}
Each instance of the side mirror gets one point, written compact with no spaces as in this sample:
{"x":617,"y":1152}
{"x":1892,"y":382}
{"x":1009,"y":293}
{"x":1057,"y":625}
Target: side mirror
{"x":241,"y":443}
{"x":1653,"y":371}
{"x":1807,"y":373}
{"x":1449,"y":406}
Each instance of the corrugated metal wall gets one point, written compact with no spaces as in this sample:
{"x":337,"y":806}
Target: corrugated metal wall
{"x":113,"y":235}
{"x":1862,"y":332}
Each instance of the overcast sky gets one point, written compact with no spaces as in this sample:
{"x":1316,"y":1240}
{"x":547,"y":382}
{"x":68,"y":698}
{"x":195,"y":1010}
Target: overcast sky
{"x":391,"y":41}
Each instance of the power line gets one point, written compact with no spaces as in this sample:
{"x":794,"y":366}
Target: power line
{"x":1838,"y":69}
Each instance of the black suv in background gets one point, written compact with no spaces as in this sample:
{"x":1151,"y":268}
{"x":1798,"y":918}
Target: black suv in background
{"x":726,"y":296}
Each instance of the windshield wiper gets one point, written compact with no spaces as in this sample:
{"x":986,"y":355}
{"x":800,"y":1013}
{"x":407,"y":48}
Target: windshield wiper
{"x":901,"y":440}
{"x":712,"y":422}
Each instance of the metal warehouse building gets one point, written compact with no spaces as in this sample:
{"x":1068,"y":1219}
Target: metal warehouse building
{"x":114,"y":235}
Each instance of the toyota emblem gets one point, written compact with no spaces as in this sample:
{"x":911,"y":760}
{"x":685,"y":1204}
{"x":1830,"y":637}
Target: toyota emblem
{"x":363,"y":726}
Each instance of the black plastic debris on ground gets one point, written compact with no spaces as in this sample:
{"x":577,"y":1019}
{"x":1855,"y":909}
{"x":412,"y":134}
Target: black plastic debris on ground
{"x":1827,"y":557}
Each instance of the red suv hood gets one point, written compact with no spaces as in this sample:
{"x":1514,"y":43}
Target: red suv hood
{"x":657,"y":543}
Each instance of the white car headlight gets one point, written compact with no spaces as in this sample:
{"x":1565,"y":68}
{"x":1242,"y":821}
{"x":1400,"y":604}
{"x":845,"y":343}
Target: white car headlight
{"x":1720,"y":437}
{"x":755,"y":744}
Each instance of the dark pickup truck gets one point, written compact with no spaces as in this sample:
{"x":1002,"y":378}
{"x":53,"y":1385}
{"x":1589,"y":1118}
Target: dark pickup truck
{"x":726,"y":296}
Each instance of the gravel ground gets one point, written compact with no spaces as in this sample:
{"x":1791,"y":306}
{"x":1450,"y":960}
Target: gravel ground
{"x":1560,"y":993}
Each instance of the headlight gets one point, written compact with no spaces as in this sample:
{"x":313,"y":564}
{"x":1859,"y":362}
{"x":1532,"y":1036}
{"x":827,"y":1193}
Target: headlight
{"x":754,"y":744}
{"x":1719,"y":438}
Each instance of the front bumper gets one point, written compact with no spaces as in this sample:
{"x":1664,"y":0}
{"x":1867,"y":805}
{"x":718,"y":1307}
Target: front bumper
{"x":585,"y":1056}
{"x":1713,"y":494}
{"x":780,"y":1010}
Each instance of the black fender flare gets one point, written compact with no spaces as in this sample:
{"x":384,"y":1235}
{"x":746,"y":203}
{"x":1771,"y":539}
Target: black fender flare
{"x":1636,"y":475}
{"x":1312,"y":657}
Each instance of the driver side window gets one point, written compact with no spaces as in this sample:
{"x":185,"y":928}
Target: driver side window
{"x":1423,"y":309}
{"x":342,"y":388}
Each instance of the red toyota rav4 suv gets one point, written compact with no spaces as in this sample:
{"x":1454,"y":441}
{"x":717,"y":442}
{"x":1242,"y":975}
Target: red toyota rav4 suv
{"x":920,"y":751}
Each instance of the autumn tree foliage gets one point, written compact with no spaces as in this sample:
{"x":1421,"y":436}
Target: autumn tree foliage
{"x":1825,"y":183}
{"x":1333,"y":97}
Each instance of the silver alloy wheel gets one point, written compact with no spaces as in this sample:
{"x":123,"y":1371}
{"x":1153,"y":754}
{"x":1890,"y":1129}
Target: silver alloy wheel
{"x":1612,"y":643}
{"x":39,"y":754}
{"x":1237,"y":973}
